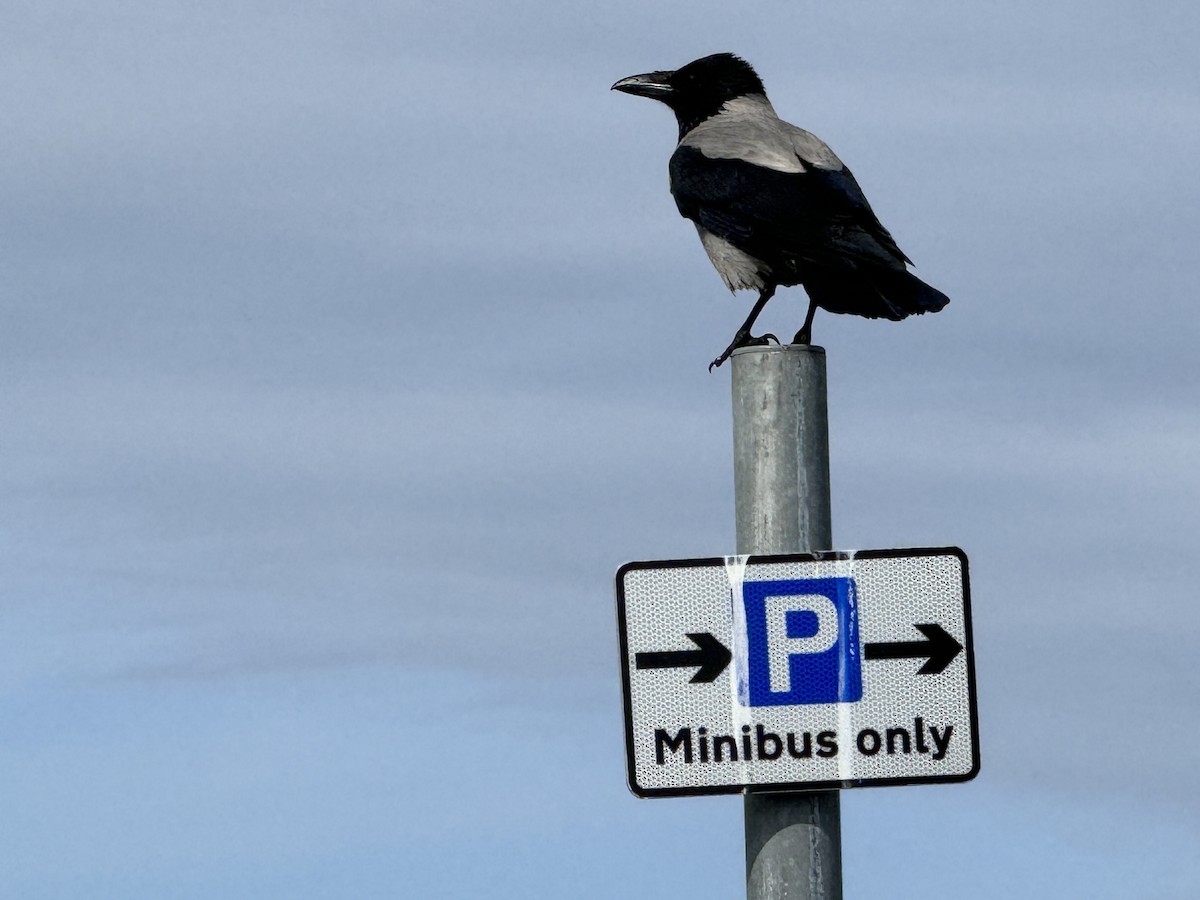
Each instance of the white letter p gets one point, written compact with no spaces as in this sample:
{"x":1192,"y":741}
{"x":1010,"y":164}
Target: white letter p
{"x":780,"y":647}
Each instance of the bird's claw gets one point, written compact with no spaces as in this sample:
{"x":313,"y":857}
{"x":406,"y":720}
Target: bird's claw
{"x":747,"y":340}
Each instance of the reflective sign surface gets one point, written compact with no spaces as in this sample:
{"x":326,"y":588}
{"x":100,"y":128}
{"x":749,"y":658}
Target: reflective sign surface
{"x":847,"y":670}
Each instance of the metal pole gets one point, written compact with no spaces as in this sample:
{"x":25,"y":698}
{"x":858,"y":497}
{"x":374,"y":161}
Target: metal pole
{"x":781,"y":484}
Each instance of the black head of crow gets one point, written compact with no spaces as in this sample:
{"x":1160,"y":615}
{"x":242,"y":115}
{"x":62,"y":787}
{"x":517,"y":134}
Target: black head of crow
{"x":773,"y":204}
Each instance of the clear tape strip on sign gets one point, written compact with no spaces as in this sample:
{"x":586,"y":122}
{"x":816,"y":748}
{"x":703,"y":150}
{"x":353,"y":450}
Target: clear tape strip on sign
{"x":739,"y":685}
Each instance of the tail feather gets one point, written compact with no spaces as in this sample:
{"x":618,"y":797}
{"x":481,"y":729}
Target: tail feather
{"x":883,"y":294}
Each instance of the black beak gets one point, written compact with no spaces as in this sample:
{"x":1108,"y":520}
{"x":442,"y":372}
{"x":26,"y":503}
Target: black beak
{"x":655,"y":85}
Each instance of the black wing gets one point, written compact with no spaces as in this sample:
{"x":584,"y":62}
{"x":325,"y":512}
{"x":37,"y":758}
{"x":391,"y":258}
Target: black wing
{"x":794,"y":222}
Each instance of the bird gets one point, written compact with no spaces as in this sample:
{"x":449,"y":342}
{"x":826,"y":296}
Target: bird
{"x":773,"y":204}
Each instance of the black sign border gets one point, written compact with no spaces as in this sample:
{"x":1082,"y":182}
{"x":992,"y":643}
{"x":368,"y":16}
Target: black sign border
{"x":794,"y":786}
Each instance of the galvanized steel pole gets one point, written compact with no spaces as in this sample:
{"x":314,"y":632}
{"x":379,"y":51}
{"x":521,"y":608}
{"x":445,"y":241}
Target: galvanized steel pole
{"x":781,"y":483}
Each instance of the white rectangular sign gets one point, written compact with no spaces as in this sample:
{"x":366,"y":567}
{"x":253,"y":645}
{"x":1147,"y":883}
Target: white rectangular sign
{"x":797,"y":672}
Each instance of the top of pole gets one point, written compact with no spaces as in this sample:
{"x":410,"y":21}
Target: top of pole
{"x":778,"y":348}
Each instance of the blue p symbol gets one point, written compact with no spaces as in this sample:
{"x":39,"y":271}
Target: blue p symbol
{"x":803,"y":642}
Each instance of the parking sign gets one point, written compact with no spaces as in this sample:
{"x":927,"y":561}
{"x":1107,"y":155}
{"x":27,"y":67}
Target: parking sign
{"x":799,"y":672}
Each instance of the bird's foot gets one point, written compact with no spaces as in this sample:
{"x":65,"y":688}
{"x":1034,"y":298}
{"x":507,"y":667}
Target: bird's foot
{"x":803,"y":336}
{"x":742,"y":339}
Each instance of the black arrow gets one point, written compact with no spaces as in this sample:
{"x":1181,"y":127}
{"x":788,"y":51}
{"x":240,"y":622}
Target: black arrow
{"x":710,"y":655}
{"x":940,"y":648}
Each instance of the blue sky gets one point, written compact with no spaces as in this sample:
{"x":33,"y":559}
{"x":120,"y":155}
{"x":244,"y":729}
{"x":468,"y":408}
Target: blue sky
{"x":349,"y":349}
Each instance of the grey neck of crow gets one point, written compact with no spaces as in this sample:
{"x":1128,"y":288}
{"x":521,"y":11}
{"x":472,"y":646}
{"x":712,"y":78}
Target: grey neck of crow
{"x":750,"y":105}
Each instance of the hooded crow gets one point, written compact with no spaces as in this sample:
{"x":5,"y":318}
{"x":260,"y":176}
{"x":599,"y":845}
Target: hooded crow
{"x":773,"y":204}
